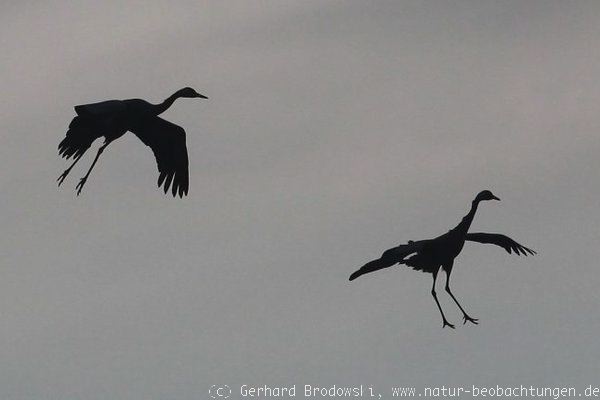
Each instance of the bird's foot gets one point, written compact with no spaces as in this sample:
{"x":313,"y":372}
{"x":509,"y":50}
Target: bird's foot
{"x":80,"y":185}
{"x":62,"y":177}
{"x":446,"y":323}
{"x":467,"y":318}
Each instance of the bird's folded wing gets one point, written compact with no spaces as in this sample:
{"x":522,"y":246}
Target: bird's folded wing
{"x":167,"y":141}
{"x":500,"y":240}
{"x":389,"y":258}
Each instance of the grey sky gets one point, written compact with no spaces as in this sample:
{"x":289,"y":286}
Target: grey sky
{"x":334,"y":130}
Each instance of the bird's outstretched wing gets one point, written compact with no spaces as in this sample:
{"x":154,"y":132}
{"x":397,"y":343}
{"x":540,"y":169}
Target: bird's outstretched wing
{"x":389,"y":258}
{"x":102,"y":109}
{"x":92,"y":122}
{"x":500,"y":240}
{"x":167,"y":141}
{"x":79,"y":138}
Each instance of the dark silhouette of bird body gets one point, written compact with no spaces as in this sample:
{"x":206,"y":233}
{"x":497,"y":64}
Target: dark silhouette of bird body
{"x":431,"y":254}
{"x":113,"y":118}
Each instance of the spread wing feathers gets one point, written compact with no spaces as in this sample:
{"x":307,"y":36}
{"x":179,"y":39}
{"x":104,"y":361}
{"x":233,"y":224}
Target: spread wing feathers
{"x":500,"y":240}
{"x":80,"y":137}
{"x":389,"y":258}
{"x":167,"y":141}
{"x":92,"y":121}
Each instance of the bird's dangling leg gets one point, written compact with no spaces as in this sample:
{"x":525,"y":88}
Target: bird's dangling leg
{"x":62,"y":177}
{"x":466,"y":316}
{"x":82,"y":181}
{"x":446,"y":323}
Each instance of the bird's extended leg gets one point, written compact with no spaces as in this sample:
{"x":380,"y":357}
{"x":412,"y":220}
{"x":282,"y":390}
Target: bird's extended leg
{"x":446,"y":323}
{"x":82,"y":181}
{"x":466,"y":316}
{"x":62,"y":177}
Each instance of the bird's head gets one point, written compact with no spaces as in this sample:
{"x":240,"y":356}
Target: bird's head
{"x":485,"y":195}
{"x":189,"y":92}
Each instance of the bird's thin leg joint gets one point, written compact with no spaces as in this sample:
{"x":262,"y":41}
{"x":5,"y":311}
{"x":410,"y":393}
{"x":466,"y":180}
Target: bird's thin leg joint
{"x":84,"y":179}
{"x":62,"y":177}
{"x":446,"y":323}
{"x":466,"y":316}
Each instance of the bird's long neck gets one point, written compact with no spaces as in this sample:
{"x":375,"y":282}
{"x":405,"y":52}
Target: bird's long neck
{"x":164,"y":106}
{"x":465,"y":224}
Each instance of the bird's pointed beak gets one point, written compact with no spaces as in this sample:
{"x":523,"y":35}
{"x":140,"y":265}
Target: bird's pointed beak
{"x":495,"y":198}
{"x":201,"y":96}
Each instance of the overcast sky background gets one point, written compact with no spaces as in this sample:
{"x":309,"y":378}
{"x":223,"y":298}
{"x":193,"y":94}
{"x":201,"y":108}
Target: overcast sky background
{"x":334,"y":130}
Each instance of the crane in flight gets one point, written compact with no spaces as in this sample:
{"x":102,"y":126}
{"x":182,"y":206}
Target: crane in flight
{"x":431,"y":254}
{"x":113,"y":118}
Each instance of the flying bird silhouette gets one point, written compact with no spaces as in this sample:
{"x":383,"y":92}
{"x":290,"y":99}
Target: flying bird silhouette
{"x":429,"y":255}
{"x":113,"y":118}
